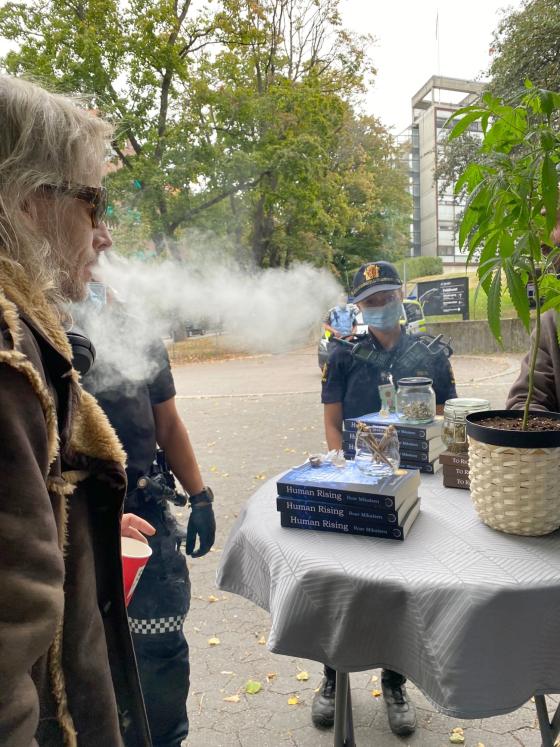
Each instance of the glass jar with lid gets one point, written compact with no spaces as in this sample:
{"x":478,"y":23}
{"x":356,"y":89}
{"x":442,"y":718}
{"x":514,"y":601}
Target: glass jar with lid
{"x":416,"y":400}
{"x":377,"y":450}
{"x":455,"y":411}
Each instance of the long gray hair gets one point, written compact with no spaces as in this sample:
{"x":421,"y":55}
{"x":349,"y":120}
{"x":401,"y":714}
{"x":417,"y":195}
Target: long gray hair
{"x":45,"y":138}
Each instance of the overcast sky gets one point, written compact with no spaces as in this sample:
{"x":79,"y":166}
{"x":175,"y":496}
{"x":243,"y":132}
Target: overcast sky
{"x":406,"y":54}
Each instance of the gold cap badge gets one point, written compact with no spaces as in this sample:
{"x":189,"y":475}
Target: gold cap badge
{"x":371,"y":272}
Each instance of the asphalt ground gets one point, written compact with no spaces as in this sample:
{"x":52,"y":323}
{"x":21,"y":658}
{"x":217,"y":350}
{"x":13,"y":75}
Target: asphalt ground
{"x":249,"y":419}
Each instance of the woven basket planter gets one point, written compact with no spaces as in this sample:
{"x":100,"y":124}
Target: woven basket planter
{"x":515,"y":488}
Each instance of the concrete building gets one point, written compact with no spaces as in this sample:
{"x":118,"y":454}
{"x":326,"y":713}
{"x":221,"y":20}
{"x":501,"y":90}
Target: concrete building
{"x":434,"y":215}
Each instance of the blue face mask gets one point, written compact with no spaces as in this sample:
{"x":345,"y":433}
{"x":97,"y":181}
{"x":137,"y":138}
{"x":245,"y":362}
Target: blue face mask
{"x":97,"y":295}
{"x":383,"y":317}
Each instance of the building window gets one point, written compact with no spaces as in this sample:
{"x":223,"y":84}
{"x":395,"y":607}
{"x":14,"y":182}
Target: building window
{"x":446,"y":225}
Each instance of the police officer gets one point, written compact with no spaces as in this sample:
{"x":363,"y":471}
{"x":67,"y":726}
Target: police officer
{"x":350,"y":388}
{"x":340,"y":321}
{"x":133,"y":383}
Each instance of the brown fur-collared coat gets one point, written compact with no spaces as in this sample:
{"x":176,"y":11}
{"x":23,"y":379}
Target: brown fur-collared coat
{"x":67,"y":671}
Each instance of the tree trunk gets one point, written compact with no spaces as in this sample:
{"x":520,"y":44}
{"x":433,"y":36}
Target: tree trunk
{"x":166,"y":244}
{"x":160,"y":242}
{"x":263,"y":229}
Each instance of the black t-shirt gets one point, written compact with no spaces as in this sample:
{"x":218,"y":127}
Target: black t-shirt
{"x":131,"y":373}
{"x":355,"y":382}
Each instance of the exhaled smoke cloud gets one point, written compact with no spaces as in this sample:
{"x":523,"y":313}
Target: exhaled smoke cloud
{"x":261,"y":310}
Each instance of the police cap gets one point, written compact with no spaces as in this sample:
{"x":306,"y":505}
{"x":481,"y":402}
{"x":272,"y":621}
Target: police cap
{"x":374,"y":277}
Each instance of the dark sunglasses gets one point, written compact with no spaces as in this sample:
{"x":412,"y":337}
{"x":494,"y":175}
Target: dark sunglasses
{"x":96,"y":197}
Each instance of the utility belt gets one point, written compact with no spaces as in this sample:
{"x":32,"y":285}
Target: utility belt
{"x":157,"y":486}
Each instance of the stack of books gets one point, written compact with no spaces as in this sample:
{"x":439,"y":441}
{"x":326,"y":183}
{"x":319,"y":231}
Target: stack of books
{"x":419,"y":445}
{"x":345,"y":500}
{"x":455,"y":470}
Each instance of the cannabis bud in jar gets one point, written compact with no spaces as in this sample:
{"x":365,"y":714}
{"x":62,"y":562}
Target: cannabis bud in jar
{"x":454,"y":434}
{"x":416,"y":400}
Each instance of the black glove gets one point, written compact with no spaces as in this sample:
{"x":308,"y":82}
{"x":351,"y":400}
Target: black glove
{"x":203,"y":524}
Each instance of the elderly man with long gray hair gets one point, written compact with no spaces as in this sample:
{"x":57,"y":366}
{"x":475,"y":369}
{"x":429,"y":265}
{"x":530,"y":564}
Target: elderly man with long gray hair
{"x":67,"y":670}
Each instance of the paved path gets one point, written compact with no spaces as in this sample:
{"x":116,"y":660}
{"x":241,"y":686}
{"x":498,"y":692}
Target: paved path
{"x":249,"y":419}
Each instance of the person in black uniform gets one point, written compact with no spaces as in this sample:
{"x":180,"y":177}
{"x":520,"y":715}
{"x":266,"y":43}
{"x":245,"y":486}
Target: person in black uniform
{"x":133,"y":383}
{"x":350,"y":388}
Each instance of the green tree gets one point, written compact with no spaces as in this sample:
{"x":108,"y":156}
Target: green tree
{"x":527,"y":47}
{"x":138,"y":63}
{"x":454,"y":155}
{"x":373,"y":179}
{"x":237,"y":119}
{"x":282,"y":90}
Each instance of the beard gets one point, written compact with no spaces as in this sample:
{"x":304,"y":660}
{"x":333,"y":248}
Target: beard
{"x":70,"y":282}
{"x":73,"y":289}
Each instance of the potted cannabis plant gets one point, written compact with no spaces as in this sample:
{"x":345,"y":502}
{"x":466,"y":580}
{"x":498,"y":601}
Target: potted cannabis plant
{"x":511,"y":211}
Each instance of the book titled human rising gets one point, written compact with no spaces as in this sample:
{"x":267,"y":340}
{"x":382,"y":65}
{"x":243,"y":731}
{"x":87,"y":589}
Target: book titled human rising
{"x":348,"y":485}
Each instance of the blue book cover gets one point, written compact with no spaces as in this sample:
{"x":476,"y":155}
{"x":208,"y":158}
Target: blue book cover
{"x":309,"y":508}
{"x":347,"y":485}
{"x":428,"y":468}
{"x":426,"y":431}
{"x":342,"y":526}
{"x":433,"y":448}
{"x":408,"y":455}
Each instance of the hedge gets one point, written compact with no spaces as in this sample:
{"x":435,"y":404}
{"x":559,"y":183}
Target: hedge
{"x":417,"y":267}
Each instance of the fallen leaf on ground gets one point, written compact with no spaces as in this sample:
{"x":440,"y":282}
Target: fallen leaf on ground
{"x":226,"y":671}
{"x":376,"y":693}
{"x":213,"y":469}
{"x":302,"y":676}
{"x":457,"y":739}
{"x":232,"y":699}
{"x":252,"y":687}
{"x":212,"y":598}
{"x":480,"y":744}
{"x":213,"y":641}
{"x":260,"y":477}
{"x":271,"y":676}
{"x":374,"y":679}
{"x":458,"y":730}
{"x":261,"y":641}
{"x":293,"y":700}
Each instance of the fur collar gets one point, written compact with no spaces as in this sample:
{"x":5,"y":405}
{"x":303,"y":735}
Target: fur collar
{"x":90,"y":431}
{"x":34,"y":305}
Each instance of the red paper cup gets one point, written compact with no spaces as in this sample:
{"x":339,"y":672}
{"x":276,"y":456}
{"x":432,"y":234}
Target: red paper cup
{"x":135,"y":555}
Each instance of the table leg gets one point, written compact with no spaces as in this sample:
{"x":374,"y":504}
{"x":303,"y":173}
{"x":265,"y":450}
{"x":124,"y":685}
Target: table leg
{"x":549,"y":729}
{"x":343,"y":721}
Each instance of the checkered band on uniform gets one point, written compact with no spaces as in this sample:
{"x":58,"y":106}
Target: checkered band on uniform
{"x":156,"y":626}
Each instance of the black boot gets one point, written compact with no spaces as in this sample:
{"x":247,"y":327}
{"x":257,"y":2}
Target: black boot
{"x":322,"y":707}
{"x":400,"y":711}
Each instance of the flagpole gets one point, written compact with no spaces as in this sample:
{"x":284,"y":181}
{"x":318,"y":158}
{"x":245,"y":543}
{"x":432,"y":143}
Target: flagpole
{"x":438,"y":61}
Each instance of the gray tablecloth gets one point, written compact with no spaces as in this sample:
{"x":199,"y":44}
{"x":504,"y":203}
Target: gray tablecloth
{"x":470,"y":615}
